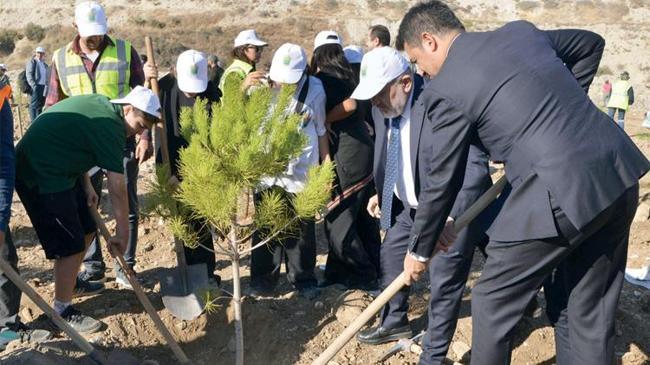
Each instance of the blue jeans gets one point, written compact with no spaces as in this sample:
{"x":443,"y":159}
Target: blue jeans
{"x":94,"y":260}
{"x":621,"y":116}
{"x":37,"y":102}
{"x":9,"y":293}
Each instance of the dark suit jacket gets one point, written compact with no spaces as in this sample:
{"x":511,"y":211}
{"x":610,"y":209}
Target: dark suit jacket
{"x":477,"y":174}
{"x":522,"y":92}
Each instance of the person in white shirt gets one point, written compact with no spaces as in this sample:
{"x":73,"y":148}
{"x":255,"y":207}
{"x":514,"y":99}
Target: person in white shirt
{"x":387,"y":80}
{"x":299,"y":252}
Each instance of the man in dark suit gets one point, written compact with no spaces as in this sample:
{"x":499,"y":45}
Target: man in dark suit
{"x":574,"y":176}
{"x":387,"y":80}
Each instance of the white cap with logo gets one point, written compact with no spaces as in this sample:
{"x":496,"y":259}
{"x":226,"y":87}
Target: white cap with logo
{"x":39,"y":49}
{"x":289,"y":63}
{"x":354,"y":54}
{"x":249,"y":36}
{"x":378,"y":68}
{"x":192,"y":71}
{"x":90,"y":19}
{"x":143,"y":99}
{"x":327,"y":37}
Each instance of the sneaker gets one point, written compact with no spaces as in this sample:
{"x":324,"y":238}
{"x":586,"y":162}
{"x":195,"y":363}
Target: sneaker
{"x":80,"y":322}
{"x":84,"y":288}
{"x":23,"y":334}
{"x":122,"y":281}
{"x":97,"y":276}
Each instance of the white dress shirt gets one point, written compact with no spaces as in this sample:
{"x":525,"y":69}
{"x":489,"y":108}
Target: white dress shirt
{"x":405,"y":184}
{"x":295,"y":177}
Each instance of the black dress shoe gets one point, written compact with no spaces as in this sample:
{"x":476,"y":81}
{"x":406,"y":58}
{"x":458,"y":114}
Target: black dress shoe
{"x":379,"y":335}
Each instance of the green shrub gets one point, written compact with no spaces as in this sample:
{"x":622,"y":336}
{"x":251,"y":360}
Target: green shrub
{"x":8,"y":41}
{"x":34,"y":32}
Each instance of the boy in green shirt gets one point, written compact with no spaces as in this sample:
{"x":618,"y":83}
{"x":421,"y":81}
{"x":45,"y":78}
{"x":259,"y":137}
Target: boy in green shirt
{"x":52,"y":161}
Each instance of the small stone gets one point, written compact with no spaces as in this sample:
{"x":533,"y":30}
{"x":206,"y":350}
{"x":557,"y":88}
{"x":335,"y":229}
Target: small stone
{"x":319,"y":305}
{"x":148,"y":247}
{"x":460,"y":349}
{"x":181,"y":325}
{"x":300,"y":313}
{"x":637,"y":293}
{"x":27,"y":314}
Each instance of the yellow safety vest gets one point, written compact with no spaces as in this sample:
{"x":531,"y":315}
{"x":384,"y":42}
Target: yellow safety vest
{"x":619,"y":98}
{"x":112,"y":75}
{"x":238,"y":67}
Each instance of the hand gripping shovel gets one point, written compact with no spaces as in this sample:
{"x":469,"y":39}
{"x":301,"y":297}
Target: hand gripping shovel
{"x":116,"y":357}
{"x":142,"y":297}
{"x":182,"y":288}
{"x":398,"y":283}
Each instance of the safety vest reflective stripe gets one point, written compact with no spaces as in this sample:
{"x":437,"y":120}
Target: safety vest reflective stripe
{"x":619,"y":98}
{"x":111,"y":76}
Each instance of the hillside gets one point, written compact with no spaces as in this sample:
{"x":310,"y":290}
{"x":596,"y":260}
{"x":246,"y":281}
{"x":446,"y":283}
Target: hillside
{"x":212,"y":25}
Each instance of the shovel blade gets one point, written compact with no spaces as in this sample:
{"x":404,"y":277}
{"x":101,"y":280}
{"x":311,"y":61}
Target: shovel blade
{"x":184,"y":303}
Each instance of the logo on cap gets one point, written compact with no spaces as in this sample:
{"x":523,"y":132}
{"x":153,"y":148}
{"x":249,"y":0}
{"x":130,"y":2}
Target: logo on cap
{"x":364,"y":70}
{"x":286,"y":60}
{"x":194,"y":69}
{"x":91,"y":15}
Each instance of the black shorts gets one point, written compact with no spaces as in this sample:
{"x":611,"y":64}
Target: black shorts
{"x":61,"y":220}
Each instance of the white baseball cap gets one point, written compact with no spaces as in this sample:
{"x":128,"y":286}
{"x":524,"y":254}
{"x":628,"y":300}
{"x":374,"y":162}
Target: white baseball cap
{"x":3,"y":66}
{"x":289,"y":63}
{"x":248,"y":36}
{"x":39,"y":49}
{"x":354,"y":54}
{"x":90,"y":19}
{"x":327,"y":37}
{"x":192,"y":71}
{"x":143,"y":99}
{"x":379,"y":67}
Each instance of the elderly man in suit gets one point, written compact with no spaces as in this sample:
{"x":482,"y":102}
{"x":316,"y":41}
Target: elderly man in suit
{"x":394,"y":90}
{"x":574,"y":175}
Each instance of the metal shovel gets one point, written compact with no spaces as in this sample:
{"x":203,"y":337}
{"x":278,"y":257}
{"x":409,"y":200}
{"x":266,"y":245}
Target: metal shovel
{"x":116,"y":357}
{"x":182,"y":288}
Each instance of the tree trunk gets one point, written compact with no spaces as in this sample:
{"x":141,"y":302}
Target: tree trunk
{"x":236,"y":299}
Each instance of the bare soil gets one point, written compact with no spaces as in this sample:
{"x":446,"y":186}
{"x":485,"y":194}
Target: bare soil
{"x":285,"y":329}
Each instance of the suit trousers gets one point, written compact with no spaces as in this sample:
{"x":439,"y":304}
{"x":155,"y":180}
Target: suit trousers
{"x":448,"y":273}
{"x":94,"y":260}
{"x":36,"y":102}
{"x":298,"y":251}
{"x":582,"y":294}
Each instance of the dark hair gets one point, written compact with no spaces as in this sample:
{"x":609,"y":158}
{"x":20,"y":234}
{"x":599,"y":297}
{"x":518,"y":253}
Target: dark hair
{"x":144,"y":58}
{"x":433,"y":16}
{"x":240,"y":53}
{"x":330,"y":59}
{"x":380,"y":32}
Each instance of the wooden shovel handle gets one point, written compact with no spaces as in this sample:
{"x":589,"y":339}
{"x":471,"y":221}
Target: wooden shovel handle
{"x":84,"y":345}
{"x":399,"y":282}
{"x":164,"y":147}
{"x":142,"y":297}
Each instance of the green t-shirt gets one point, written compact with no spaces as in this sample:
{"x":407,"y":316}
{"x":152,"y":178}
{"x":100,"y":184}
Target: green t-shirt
{"x":69,"y":139}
